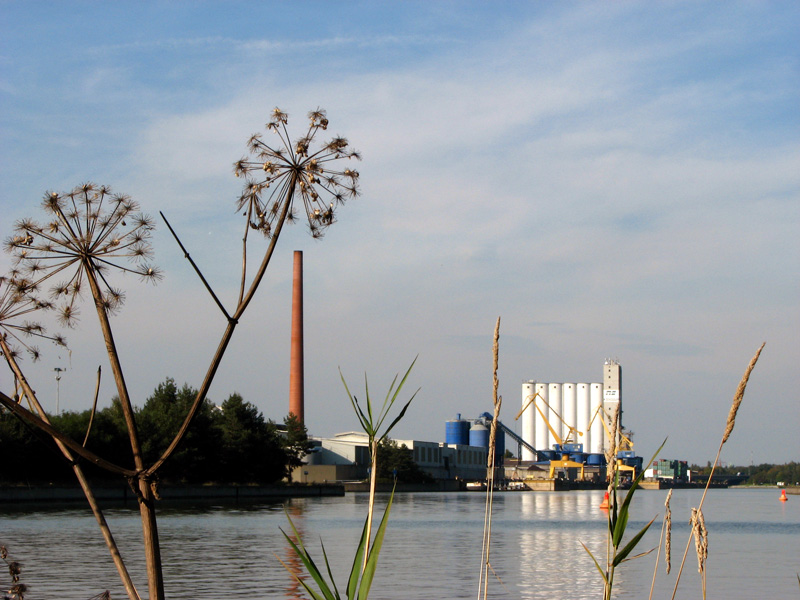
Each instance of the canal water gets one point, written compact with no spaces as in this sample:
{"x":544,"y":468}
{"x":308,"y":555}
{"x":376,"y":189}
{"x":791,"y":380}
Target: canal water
{"x":432,"y":548}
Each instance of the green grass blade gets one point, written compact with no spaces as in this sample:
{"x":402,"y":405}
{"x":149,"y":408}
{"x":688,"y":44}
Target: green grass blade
{"x":596,"y":564}
{"x":622,"y":518}
{"x":330,"y":573}
{"x":306,"y":559}
{"x":372,"y":561}
{"x":387,"y":403}
{"x":311,"y":569}
{"x":362,"y":419}
{"x":400,"y":416}
{"x":369,"y":404}
{"x":298,"y":579}
{"x":622,"y":554}
{"x":355,"y":571}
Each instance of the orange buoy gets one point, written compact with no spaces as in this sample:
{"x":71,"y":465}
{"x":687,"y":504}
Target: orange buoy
{"x":783,"y":497}
{"x":604,"y":503}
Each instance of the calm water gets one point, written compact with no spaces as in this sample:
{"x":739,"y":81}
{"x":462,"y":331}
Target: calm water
{"x":432,"y":549}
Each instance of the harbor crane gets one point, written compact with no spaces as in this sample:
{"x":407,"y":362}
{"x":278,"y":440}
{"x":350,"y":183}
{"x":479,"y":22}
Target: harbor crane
{"x":625,"y":444}
{"x":563,"y":447}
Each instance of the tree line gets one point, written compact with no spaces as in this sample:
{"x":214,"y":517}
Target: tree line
{"x":763,"y":474}
{"x":229,"y":443}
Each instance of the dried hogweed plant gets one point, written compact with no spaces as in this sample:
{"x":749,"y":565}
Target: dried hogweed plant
{"x":15,"y":590}
{"x":91,"y":233}
{"x":17,"y":301}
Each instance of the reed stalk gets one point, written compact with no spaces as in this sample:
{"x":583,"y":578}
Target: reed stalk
{"x":666,"y":532}
{"x":486,"y":565}
{"x":729,"y":424}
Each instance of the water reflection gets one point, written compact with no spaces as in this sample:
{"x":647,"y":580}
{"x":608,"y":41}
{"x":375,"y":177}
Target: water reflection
{"x":432,"y":548}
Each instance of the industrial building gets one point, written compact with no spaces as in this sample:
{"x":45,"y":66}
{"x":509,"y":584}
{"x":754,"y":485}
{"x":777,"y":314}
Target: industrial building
{"x":345,"y":457}
{"x":573,"y":412}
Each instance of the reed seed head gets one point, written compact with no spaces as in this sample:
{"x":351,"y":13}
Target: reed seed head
{"x":668,"y":527}
{"x":739,"y":395}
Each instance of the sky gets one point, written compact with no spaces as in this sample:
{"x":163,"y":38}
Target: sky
{"x":612,"y":180}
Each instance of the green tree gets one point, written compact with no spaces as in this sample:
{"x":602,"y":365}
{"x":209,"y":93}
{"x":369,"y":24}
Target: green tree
{"x":196,"y":458}
{"x":295,"y":443}
{"x":250,"y":448}
{"x":394,"y":460}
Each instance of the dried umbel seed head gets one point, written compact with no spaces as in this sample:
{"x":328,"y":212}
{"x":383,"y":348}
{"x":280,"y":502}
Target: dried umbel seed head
{"x":276,"y":174}
{"x":18,"y":301}
{"x":90,"y":232}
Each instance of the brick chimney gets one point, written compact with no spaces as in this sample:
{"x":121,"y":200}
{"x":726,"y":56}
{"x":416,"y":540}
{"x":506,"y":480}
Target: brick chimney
{"x":296,"y":384}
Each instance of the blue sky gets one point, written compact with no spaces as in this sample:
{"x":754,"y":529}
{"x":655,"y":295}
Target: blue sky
{"x":611,"y":179}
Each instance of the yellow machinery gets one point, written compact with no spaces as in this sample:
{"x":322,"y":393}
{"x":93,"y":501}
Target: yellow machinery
{"x":564,"y":461}
{"x":625,"y":443}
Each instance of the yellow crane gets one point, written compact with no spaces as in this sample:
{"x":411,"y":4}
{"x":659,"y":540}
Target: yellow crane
{"x":564,"y":461}
{"x":625,"y":442}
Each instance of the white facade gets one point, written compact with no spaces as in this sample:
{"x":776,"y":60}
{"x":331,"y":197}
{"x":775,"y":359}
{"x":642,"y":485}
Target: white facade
{"x":598,"y":432}
{"x":584,"y":414}
{"x":569,"y":403}
{"x":528,"y":419}
{"x":556,"y":413}
{"x":542,"y":434}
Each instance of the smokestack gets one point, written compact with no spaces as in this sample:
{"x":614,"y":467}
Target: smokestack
{"x":296,"y":384}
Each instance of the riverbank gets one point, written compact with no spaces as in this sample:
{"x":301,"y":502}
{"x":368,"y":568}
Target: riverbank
{"x":168,"y":493}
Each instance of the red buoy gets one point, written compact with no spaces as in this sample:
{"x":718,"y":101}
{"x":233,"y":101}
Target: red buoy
{"x":604,"y":503}
{"x":783,"y":497}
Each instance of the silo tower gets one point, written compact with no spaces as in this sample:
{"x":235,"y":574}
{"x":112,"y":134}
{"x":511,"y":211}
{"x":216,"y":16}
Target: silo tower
{"x":612,"y":388}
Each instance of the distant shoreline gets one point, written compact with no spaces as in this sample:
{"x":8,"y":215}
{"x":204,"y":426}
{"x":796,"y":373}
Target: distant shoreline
{"x":122,"y":494}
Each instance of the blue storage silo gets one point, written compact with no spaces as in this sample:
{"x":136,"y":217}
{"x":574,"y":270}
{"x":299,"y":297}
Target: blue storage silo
{"x":499,"y":446}
{"x":457,"y":431}
{"x":479,"y":435}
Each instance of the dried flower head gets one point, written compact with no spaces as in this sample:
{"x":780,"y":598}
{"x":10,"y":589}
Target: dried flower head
{"x":90,"y":231}
{"x":739,"y":395}
{"x":275,"y":174}
{"x":18,"y":300}
{"x":700,"y":533}
{"x":668,"y":527}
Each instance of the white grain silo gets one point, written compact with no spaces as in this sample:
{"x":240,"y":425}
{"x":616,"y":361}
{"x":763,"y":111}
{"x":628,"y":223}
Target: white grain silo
{"x":598,"y":434}
{"x":584,"y":414}
{"x":542,"y":435}
{"x":554,"y":400}
{"x":569,"y":402}
{"x":528,"y":430}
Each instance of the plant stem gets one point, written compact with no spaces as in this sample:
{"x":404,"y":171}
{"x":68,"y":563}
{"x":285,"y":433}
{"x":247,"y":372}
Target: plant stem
{"x":373,"y":481}
{"x":224,"y":341}
{"x":80,"y":476}
{"x":152,"y":549}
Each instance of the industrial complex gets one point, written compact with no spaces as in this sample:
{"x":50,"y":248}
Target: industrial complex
{"x":569,"y":433}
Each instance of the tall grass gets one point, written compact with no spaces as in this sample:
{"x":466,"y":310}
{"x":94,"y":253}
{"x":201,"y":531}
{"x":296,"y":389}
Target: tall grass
{"x":365,"y":561}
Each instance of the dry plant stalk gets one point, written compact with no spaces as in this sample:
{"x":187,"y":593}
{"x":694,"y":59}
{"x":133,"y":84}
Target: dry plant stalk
{"x":483,"y":580}
{"x":729,"y":424}
{"x":666,"y":531}
{"x":92,"y":232}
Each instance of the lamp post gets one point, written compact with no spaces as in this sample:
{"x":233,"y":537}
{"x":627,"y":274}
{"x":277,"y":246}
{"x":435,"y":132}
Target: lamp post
{"x":58,"y":371}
